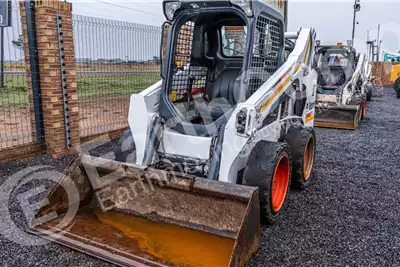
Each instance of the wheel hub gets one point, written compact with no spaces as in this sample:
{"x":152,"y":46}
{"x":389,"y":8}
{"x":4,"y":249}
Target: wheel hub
{"x":280,"y":183}
{"x":309,"y":158}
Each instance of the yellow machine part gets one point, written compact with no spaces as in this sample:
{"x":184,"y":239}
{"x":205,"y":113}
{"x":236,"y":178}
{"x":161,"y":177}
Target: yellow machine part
{"x":395,"y":73}
{"x":132,"y":216}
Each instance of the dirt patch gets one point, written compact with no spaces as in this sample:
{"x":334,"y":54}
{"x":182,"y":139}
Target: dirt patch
{"x":15,"y":127}
{"x":101,"y":115}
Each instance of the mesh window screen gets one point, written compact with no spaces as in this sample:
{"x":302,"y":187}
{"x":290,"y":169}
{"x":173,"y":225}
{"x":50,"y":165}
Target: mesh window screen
{"x":187,"y":72}
{"x":266,"y":48}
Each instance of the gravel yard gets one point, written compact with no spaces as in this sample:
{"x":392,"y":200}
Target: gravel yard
{"x":349,"y":216}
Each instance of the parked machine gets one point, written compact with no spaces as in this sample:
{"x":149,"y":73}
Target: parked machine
{"x":395,"y":79}
{"x":212,"y":148}
{"x":344,"y":85}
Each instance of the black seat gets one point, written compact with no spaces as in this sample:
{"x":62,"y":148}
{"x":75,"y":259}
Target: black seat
{"x":224,"y":86}
{"x":222,"y":95}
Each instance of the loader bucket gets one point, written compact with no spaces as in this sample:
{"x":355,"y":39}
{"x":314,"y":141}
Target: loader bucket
{"x":344,"y":117}
{"x":133,"y":216}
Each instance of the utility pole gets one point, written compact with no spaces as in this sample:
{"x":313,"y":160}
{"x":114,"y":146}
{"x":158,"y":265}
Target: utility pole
{"x":357,"y":7}
{"x":368,"y":46}
{"x":378,"y":44}
{"x":372,"y":47}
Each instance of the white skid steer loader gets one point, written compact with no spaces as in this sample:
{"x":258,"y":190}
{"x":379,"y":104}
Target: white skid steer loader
{"x":344,"y":85}
{"x":209,"y":148}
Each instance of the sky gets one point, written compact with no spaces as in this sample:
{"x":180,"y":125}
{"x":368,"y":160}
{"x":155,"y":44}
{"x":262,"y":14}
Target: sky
{"x":331,"y":19}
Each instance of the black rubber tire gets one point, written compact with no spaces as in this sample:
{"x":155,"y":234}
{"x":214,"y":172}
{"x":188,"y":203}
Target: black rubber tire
{"x":126,"y":151}
{"x":259,"y":172}
{"x":356,"y":121}
{"x":298,"y":138}
{"x":369,"y":93}
{"x":363,"y":115}
{"x":396,"y":87}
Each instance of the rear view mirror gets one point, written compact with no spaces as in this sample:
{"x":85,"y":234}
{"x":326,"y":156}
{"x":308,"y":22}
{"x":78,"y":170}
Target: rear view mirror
{"x":163,"y":48}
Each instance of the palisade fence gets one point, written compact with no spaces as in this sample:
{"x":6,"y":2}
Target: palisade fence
{"x":114,"y":60}
{"x":18,"y":104}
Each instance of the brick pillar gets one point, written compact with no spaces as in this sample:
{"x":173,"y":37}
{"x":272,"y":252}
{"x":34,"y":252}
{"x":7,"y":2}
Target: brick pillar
{"x":51,"y":76}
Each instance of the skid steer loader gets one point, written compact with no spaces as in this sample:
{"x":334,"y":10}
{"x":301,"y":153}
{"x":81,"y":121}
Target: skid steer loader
{"x":342,"y":87}
{"x":211,"y":149}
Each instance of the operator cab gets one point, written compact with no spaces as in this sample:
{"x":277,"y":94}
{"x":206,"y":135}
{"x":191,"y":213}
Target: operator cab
{"x":211,"y":63}
{"x":335,"y":68}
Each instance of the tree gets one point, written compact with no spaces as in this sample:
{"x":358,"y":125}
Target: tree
{"x":18,"y":43}
{"x":156,"y":59}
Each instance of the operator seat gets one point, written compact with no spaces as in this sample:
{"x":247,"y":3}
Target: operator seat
{"x":222,"y":95}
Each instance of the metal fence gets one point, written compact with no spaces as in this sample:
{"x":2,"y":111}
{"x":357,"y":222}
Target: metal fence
{"x":17,"y":120}
{"x":114,"y":60}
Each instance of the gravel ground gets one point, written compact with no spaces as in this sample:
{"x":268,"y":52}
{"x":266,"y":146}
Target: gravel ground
{"x":349,"y":216}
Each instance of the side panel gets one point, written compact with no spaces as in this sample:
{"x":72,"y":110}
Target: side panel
{"x":311,"y":82}
{"x":143,"y":107}
{"x":174,"y":143}
{"x":139,"y":121}
{"x":233,"y":144}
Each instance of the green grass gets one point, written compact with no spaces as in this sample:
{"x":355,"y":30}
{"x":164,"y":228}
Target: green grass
{"x":121,"y":84}
{"x":15,"y":93}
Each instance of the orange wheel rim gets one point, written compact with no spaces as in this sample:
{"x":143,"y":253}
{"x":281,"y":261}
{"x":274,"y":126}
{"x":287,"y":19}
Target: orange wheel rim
{"x":308,"y":161}
{"x":280,"y":183}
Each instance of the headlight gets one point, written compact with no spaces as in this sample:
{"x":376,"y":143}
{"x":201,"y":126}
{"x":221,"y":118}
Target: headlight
{"x":170,"y":8}
{"x":245,"y":5}
{"x":241,"y":121}
{"x":350,"y":87}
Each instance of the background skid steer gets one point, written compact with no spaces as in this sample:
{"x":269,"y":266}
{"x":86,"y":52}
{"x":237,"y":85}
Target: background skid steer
{"x":212,"y":148}
{"x":344,"y":86}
